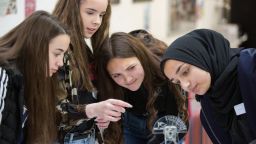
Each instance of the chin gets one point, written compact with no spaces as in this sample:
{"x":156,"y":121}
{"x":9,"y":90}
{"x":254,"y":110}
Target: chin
{"x":133,"y":89}
{"x":87,"y":36}
{"x":200,"y":93}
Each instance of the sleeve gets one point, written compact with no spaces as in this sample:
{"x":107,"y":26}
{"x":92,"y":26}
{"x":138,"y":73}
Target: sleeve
{"x":3,"y":90}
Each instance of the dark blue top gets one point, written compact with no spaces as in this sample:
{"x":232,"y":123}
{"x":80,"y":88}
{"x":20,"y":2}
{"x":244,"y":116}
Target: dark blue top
{"x":247,"y":81}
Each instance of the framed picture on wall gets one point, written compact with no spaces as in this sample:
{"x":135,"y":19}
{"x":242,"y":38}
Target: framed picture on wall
{"x":115,"y":1}
{"x":8,"y":7}
{"x":30,"y":6}
{"x":182,"y":15}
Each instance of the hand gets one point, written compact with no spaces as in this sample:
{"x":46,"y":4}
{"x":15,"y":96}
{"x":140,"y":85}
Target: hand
{"x":102,"y":124}
{"x":108,"y":110}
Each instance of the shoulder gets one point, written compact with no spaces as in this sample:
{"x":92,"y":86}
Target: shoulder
{"x":248,"y":51}
{"x":247,"y":61}
{"x":10,"y":79}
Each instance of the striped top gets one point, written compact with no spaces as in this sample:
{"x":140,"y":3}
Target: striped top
{"x":3,"y":90}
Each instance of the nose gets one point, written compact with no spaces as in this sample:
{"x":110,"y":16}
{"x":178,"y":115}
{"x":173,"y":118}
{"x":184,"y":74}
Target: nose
{"x":60,"y":62}
{"x":185,"y":84}
{"x":128,"y":79}
{"x":97,"y":20}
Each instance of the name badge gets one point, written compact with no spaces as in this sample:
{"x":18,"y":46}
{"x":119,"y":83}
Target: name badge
{"x":239,"y":109}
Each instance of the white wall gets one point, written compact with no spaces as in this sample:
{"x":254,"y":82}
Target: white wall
{"x":47,"y":5}
{"x":10,"y":21}
{"x":127,"y":16}
{"x":153,"y":16}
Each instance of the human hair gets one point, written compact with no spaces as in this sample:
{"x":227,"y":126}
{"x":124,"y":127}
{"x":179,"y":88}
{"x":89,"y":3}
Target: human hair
{"x":68,"y":11}
{"x":158,"y":47}
{"x":155,"y":45}
{"x":26,"y":47}
{"x":123,"y":45}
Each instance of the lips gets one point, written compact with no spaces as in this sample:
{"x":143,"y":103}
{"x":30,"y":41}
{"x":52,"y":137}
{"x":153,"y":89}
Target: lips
{"x":91,"y":30}
{"x":131,"y":83}
{"x":128,"y":84}
{"x":194,"y":89}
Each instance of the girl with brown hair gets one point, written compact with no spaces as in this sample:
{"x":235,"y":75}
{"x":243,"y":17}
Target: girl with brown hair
{"x":30,"y":55}
{"x":129,"y":71}
{"x":89,"y":24}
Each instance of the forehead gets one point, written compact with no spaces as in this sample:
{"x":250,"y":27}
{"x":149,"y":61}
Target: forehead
{"x":59,"y":42}
{"x":171,"y":66}
{"x":99,"y":5}
{"x":119,"y":64}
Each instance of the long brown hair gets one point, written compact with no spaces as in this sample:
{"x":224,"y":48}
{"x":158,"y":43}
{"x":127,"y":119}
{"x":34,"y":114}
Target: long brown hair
{"x":27,"y":47}
{"x":68,"y":11}
{"x":123,"y":45}
{"x":158,"y":48}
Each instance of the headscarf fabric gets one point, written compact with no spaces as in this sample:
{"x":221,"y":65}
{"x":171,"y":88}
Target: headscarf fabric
{"x":210,"y":51}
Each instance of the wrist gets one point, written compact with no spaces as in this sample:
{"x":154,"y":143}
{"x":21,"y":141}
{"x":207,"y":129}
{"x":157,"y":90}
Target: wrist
{"x":89,"y":110}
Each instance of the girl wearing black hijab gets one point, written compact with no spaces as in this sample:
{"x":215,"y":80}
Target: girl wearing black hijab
{"x":203,"y":63}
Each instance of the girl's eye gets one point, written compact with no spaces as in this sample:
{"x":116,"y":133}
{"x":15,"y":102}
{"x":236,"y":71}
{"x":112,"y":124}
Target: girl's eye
{"x":186,"y":71}
{"x":115,"y":75}
{"x":56,"y":54}
{"x":89,"y":13}
{"x":131,"y":67}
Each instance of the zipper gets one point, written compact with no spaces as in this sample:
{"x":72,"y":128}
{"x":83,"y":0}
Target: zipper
{"x":210,"y":126}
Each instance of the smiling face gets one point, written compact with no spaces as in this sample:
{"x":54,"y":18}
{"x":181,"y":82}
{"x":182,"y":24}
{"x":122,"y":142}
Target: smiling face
{"x":126,"y":72}
{"x":189,"y":77}
{"x":57,"y":47}
{"x":92,"y":12}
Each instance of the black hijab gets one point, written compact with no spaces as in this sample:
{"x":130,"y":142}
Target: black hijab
{"x":211,"y":52}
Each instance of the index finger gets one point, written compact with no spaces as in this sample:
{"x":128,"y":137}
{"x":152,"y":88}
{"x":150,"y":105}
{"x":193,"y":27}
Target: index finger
{"x":120,"y":103}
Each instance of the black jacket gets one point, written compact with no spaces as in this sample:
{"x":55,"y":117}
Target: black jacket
{"x":12,"y":106}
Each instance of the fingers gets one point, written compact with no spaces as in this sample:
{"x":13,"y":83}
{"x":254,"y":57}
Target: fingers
{"x":114,"y":113}
{"x":111,"y":118}
{"x":118,"y":106}
{"x":111,"y":106}
{"x":101,"y":126}
{"x":110,"y":109}
{"x":120,"y":103}
{"x":102,"y":123}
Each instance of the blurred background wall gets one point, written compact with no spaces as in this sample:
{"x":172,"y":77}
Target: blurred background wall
{"x":166,"y":19}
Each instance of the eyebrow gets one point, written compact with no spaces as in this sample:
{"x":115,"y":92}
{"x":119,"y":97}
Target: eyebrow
{"x":59,"y":49}
{"x":95,"y":10}
{"x":178,"y":69}
{"x":91,"y":9}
